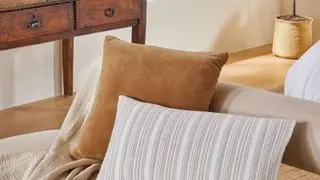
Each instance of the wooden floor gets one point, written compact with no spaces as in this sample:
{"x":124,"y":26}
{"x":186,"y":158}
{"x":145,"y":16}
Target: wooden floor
{"x":255,"y":67}
{"x":38,"y":116}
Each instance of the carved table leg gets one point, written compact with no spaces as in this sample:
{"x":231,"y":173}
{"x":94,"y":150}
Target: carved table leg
{"x":139,"y":31}
{"x":67,"y":58}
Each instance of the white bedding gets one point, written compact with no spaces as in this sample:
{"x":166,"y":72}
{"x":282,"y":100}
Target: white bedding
{"x":303,"y":78}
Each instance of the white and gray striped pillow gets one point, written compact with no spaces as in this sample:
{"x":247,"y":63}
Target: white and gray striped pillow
{"x":151,"y":142}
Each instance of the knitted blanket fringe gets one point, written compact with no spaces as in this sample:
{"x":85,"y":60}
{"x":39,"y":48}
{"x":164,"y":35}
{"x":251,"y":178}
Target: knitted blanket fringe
{"x":56,"y":162}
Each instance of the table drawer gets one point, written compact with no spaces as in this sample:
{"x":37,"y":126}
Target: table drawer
{"x":31,"y":23}
{"x":99,"y":12}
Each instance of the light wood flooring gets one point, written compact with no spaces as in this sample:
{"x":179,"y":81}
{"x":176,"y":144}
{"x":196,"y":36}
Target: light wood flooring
{"x":38,"y":116}
{"x":255,"y":67}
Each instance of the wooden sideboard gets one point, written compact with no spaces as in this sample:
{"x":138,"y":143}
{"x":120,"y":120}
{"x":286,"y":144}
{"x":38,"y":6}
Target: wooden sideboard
{"x":32,"y":22}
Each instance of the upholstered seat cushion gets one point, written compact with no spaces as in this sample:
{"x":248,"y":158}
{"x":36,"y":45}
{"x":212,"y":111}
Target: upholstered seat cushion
{"x":303,"y":150}
{"x":34,"y":142}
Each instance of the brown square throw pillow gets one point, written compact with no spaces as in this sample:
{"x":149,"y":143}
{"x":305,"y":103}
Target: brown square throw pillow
{"x":171,"y":78}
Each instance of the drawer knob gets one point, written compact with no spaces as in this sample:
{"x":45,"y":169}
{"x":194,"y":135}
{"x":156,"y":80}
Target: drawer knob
{"x":34,"y":24}
{"x":110,"y":12}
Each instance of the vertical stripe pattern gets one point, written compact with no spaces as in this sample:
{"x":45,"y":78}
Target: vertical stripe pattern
{"x":151,"y":142}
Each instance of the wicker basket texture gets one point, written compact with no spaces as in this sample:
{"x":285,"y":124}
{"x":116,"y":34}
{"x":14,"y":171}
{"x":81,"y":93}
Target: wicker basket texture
{"x":292,"y":38}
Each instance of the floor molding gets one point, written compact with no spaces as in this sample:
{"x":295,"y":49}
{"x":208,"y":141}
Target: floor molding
{"x":249,"y":53}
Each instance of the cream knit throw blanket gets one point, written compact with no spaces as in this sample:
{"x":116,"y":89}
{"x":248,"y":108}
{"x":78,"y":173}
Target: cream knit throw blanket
{"x":56,"y":163}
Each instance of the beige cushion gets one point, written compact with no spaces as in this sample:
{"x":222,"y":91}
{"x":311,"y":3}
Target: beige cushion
{"x":303,"y":150}
{"x":33,"y":142}
{"x":173,"y":78}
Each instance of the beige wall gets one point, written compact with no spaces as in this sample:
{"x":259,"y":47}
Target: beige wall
{"x":308,"y":8}
{"x":31,"y":73}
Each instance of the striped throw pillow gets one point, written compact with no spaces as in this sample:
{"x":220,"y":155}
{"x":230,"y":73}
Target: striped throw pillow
{"x":151,"y":142}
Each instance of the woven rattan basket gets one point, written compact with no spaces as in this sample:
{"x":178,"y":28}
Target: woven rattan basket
{"x":292,"y":38}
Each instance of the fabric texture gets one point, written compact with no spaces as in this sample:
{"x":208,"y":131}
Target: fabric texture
{"x":303,"y":150}
{"x":302,"y":80}
{"x":179,"y":79}
{"x":154,"y":142}
{"x":33,"y":142}
{"x":56,"y":162}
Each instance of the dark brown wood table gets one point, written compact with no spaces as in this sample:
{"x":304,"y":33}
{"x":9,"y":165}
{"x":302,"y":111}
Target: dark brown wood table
{"x":32,"y":22}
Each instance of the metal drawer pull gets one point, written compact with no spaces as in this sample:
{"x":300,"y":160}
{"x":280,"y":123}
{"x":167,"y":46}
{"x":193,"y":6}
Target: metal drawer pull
{"x":110,"y":12}
{"x":34,"y":24}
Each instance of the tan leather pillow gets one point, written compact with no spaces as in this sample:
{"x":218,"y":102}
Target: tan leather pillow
{"x":171,"y":78}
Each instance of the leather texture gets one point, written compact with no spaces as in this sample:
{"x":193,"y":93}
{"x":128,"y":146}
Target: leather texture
{"x":172,"y":78}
